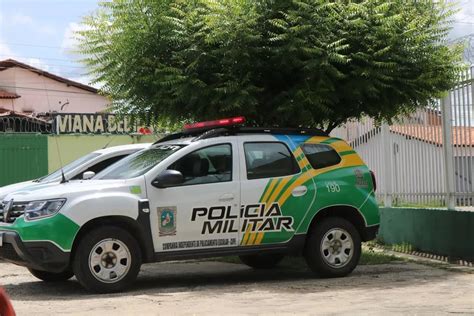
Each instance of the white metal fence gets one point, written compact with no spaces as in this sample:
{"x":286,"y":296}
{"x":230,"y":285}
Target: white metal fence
{"x":411,"y":163}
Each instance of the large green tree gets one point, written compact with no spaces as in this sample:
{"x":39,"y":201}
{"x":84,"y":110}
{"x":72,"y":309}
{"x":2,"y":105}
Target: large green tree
{"x":308,"y":63}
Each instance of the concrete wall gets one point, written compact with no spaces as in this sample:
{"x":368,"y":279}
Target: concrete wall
{"x":72,"y":147}
{"x":437,"y":231}
{"x":41,"y":94}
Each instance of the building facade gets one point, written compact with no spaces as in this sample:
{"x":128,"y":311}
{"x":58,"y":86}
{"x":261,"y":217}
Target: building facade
{"x":28,"y":90}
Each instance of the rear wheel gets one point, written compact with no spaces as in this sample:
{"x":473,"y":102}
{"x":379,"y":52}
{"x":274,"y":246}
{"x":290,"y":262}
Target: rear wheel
{"x":333,"y":247}
{"x":50,"y":276}
{"x":107,"y":260}
{"x":262,"y":261}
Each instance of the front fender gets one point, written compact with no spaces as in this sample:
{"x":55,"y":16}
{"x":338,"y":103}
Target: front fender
{"x":88,"y":207}
{"x":58,"y":230}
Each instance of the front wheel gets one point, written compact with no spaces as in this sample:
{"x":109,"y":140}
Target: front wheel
{"x":107,"y":260}
{"x":333,"y":247}
{"x":50,"y":276}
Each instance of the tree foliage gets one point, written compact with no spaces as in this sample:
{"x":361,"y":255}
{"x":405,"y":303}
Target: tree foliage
{"x":309,"y":63}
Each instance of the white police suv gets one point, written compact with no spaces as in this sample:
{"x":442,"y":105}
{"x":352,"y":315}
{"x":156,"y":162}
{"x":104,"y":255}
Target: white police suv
{"x":215,"y":189}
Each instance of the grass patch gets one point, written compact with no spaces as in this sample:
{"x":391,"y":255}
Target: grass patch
{"x":379,"y":244}
{"x":370,"y":257}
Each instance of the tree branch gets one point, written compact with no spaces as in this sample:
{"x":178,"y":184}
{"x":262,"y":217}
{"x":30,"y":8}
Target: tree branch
{"x":333,"y":125}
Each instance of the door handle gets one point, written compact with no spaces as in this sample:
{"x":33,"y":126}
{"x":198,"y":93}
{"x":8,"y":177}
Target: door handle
{"x":226,"y":197}
{"x":299,"y":191}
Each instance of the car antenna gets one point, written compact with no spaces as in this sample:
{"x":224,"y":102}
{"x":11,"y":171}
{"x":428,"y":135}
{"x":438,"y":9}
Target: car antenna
{"x":63,"y":177}
{"x":108,"y":143}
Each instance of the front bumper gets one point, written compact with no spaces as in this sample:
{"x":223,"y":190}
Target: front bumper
{"x":38,"y":255}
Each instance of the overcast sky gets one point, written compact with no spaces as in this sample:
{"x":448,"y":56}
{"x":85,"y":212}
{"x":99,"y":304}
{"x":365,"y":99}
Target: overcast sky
{"x":464,"y":24}
{"x":38,"y":32}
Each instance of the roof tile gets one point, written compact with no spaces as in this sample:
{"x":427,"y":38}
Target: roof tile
{"x":8,"y":95}
{"x":462,"y":135}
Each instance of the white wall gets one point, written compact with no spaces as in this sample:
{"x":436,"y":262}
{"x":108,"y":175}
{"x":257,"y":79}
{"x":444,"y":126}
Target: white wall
{"x":416,"y":167}
{"x":41,"y":94}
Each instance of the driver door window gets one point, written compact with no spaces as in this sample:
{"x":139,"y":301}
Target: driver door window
{"x":207,"y":165}
{"x":205,"y":207}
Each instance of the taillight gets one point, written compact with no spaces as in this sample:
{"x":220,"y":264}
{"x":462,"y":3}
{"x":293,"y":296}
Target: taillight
{"x":372,"y":174}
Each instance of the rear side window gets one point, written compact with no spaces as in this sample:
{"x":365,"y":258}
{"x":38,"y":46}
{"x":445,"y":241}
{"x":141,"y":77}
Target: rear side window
{"x":321,"y":156}
{"x":269,"y":160}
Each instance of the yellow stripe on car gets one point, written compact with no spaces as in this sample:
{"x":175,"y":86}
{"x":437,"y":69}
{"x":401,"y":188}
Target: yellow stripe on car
{"x":348,"y":161}
{"x":252,"y":239}
{"x":341,"y":146}
{"x":269,"y":190}
{"x":246,"y":235}
{"x":317,"y":139}
{"x":280,"y":187}
{"x":259,"y":239}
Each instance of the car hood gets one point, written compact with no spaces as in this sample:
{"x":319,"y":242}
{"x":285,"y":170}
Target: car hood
{"x":68,"y":189}
{"x":4,"y":191}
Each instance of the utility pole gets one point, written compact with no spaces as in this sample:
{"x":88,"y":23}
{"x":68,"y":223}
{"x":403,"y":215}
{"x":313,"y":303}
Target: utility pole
{"x":446,"y":112}
{"x":389,"y":167}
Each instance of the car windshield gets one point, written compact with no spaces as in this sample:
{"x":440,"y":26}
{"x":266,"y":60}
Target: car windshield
{"x":56,"y":176}
{"x":139,"y":163}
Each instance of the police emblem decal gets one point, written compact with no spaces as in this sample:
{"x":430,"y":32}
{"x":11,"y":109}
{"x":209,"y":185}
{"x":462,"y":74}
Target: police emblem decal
{"x":167,"y":220}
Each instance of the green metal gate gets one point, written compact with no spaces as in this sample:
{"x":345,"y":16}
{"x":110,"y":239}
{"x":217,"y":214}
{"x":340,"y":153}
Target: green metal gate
{"x":22,"y":157}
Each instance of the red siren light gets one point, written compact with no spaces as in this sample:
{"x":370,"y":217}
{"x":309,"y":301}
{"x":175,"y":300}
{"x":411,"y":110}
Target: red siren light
{"x":238,"y":120}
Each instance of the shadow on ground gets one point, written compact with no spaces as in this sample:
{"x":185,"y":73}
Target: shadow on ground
{"x":217,"y":277}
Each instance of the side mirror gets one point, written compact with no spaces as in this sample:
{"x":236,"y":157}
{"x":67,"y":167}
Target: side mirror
{"x":87,"y":175}
{"x":168,"y":178}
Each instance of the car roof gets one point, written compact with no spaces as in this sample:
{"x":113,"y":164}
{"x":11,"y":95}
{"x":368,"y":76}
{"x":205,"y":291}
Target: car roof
{"x":186,"y":137}
{"x":123,"y":148}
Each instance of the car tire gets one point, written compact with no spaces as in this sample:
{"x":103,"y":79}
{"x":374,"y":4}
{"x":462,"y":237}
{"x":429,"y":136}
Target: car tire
{"x":107,"y":260}
{"x":333,"y":247}
{"x":262,"y":261}
{"x":50,"y":276}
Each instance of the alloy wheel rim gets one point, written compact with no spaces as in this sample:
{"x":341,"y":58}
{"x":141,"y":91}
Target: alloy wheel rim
{"x":110,"y":260}
{"x":337,"y":247}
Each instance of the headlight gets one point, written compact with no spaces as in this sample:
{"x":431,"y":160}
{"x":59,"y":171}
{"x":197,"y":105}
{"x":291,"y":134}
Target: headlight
{"x":41,"y":209}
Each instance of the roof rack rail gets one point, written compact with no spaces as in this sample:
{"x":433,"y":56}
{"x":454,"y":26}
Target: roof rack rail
{"x":259,"y":130}
{"x":215,"y":133}
{"x":169,"y":137}
{"x":182,"y":134}
{"x":205,"y":133}
{"x":282,"y":130}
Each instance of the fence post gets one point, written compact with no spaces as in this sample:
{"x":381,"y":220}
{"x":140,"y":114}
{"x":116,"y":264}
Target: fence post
{"x":388,"y":171}
{"x":448,"y":151}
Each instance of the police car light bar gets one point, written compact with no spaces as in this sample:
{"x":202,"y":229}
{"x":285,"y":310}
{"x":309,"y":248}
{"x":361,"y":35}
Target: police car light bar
{"x":216,"y":123}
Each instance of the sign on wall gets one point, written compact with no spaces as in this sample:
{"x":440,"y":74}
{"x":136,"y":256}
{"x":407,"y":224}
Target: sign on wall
{"x":83,"y":123}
